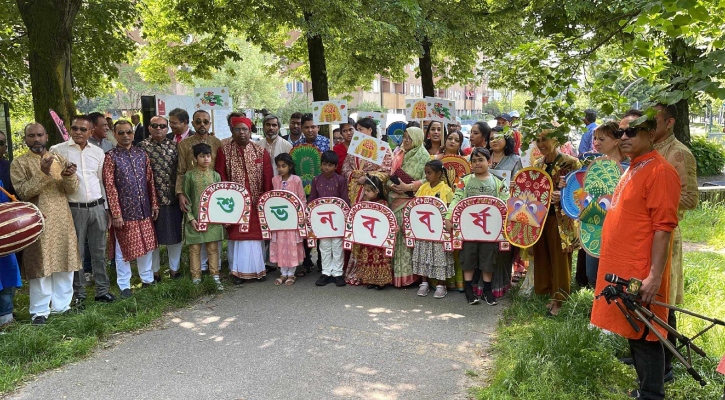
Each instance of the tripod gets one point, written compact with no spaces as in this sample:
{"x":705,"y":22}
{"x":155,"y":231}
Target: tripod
{"x":630,"y":305}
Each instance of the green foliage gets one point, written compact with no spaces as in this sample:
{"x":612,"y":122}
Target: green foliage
{"x":710,"y":156}
{"x":701,"y":225}
{"x":565,"y":358}
{"x":367,"y":106}
{"x":297,"y":103}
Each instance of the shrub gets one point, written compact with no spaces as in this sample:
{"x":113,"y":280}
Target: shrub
{"x":710,"y":156}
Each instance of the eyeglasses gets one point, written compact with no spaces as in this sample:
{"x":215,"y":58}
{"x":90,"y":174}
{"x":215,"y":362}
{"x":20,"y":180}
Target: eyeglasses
{"x":128,"y":132}
{"x":202,"y":122}
{"x":158,"y":126}
{"x":630,"y":132}
{"x":79,"y":128}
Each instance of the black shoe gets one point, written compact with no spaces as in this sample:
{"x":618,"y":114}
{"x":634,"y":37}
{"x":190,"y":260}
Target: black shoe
{"x":323,"y":280}
{"x":379,"y":287}
{"x":627,"y":360}
{"x":372,"y":286}
{"x":470,"y":297}
{"x":39,"y":320}
{"x":669,"y":376}
{"x":237,"y":281}
{"x":205,"y":272}
{"x":175,"y":275}
{"x":339,"y":281}
{"x":106,"y":298}
{"x":157,"y":277}
{"x":489,"y":298}
{"x":126,"y":293}
{"x":262,"y":279}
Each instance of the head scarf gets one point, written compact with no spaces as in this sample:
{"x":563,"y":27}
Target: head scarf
{"x":242,"y":120}
{"x":415,"y":158}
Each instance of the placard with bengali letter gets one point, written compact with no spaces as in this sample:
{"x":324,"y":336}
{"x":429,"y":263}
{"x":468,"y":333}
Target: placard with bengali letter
{"x":281,"y":210}
{"x":227,"y":203}
{"x":423,"y":220}
{"x":479,"y":219}
{"x":326,"y":218}
{"x":371,"y":224}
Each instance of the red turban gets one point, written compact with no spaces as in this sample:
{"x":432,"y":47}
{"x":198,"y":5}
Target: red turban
{"x":242,"y":120}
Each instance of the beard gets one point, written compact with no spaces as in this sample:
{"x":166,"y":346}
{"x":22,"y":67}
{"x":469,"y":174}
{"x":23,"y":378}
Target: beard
{"x":37,"y":148}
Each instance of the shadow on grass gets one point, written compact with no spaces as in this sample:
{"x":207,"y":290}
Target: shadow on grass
{"x":565,"y":358}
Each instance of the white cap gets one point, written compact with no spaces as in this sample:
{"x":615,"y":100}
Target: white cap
{"x":515,"y":114}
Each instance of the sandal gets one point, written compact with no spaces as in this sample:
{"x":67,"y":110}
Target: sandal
{"x":290,"y":281}
{"x":280,"y":280}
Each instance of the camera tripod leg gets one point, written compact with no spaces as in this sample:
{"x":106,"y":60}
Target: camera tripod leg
{"x":687,"y":342}
{"x":640,"y":315}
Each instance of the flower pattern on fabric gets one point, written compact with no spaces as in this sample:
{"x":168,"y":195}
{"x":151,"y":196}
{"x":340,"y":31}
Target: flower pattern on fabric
{"x":164,"y":160}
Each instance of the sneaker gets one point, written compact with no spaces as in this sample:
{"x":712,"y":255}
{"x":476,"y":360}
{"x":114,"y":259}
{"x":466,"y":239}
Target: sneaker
{"x":323,"y":280}
{"x":39,"y":320}
{"x":470,"y":297}
{"x":489,"y":298}
{"x":126,"y":293}
{"x":218,"y":282}
{"x":106,"y":298}
{"x":196,"y":281}
{"x":423,"y":289}
{"x":340,"y":281}
{"x":440,"y":292}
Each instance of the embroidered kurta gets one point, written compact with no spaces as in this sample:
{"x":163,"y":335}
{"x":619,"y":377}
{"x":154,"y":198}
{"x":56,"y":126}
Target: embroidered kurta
{"x":286,"y":247}
{"x":187,"y":162}
{"x":131,"y":193}
{"x":644,"y":202}
{"x":195,"y":182}
{"x":56,"y":250}
{"x":277,"y":147}
{"x":164,"y":160}
{"x":335,"y":186}
{"x":322,"y":143}
{"x":251,"y":166}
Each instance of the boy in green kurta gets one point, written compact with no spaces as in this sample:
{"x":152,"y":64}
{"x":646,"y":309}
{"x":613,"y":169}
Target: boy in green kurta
{"x":195,"y":182}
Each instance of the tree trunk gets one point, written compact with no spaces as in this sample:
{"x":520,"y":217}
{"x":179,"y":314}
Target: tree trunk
{"x":318,"y":69}
{"x":681,"y":55}
{"x":425,"y":64}
{"x":49,"y":24}
{"x":682,"y":122}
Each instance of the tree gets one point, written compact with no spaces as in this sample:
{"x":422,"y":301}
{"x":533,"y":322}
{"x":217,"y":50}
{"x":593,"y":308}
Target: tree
{"x":39,"y":43}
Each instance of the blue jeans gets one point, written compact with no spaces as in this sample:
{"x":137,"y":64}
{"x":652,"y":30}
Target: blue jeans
{"x":6,"y":302}
{"x":592,"y":268}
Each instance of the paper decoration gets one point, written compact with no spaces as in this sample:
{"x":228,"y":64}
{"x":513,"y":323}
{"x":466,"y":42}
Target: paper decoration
{"x":368,"y":148}
{"x":423,"y":220}
{"x":440,"y":110}
{"x":59,"y":124}
{"x":166,"y":102}
{"x":380,"y":118}
{"x":415,"y":109}
{"x":601,"y":179}
{"x":225,"y":203}
{"x":371,"y":224}
{"x":307,"y":164}
{"x":211,"y":98}
{"x":572,"y":195}
{"x":528,"y":206}
{"x":504,"y":175}
{"x":395,"y":133}
{"x":478,"y":219}
{"x":326,"y":219}
{"x":329,"y":112}
{"x":280,"y":210}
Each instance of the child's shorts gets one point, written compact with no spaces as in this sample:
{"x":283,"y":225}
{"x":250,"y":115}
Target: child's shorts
{"x":481,"y":255}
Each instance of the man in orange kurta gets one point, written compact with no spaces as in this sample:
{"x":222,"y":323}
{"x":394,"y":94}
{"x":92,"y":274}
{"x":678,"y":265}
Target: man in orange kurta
{"x":636,"y":240}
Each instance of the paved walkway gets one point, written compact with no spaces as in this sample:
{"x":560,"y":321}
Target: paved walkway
{"x":299,"y":342}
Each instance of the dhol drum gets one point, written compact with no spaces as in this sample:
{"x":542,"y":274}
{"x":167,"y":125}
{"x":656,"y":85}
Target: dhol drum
{"x":20,"y":226}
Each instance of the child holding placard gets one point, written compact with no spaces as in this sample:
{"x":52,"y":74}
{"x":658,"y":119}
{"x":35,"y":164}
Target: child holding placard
{"x":330,"y":184}
{"x":285,"y":247}
{"x":430,"y":260}
{"x":478,"y":255}
{"x":369,"y":263}
{"x":195,"y":182}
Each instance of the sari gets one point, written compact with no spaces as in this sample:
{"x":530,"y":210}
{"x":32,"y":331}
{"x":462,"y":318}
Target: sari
{"x":412,"y":166}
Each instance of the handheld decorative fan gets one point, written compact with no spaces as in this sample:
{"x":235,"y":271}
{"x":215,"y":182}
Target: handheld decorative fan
{"x":395,"y":134}
{"x":601,"y":179}
{"x":59,"y":124}
{"x":307,"y":164}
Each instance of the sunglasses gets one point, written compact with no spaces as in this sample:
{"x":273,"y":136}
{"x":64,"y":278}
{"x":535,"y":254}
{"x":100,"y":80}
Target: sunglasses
{"x":159,"y":126}
{"x":202,"y":122}
{"x":630,"y":132}
{"x":78,"y":128}
{"x":128,"y":132}
{"x":2,"y":143}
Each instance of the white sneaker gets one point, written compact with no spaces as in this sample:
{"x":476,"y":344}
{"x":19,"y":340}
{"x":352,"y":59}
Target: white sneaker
{"x":196,"y":281}
{"x":218,"y":282}
{"x":423,"y":289}
{"x":440,"y":292}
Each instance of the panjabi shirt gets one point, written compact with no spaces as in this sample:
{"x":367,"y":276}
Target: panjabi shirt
{"x":322,"y":143}
{"x":89,"y":164}
{"x":334,"y":186}
{"x":164,"y":160}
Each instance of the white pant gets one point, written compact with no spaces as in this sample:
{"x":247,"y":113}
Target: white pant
{"x":51,"y":294}
{"x":331,"y":253}
{"x":174,"y":253}
{"x":205,"y":257}
{"x":123,"y":268}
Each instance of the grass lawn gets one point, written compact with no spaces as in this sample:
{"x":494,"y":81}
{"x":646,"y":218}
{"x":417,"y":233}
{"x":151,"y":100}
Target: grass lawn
{"x":563,"y":358}
{"x":26,"y":350}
